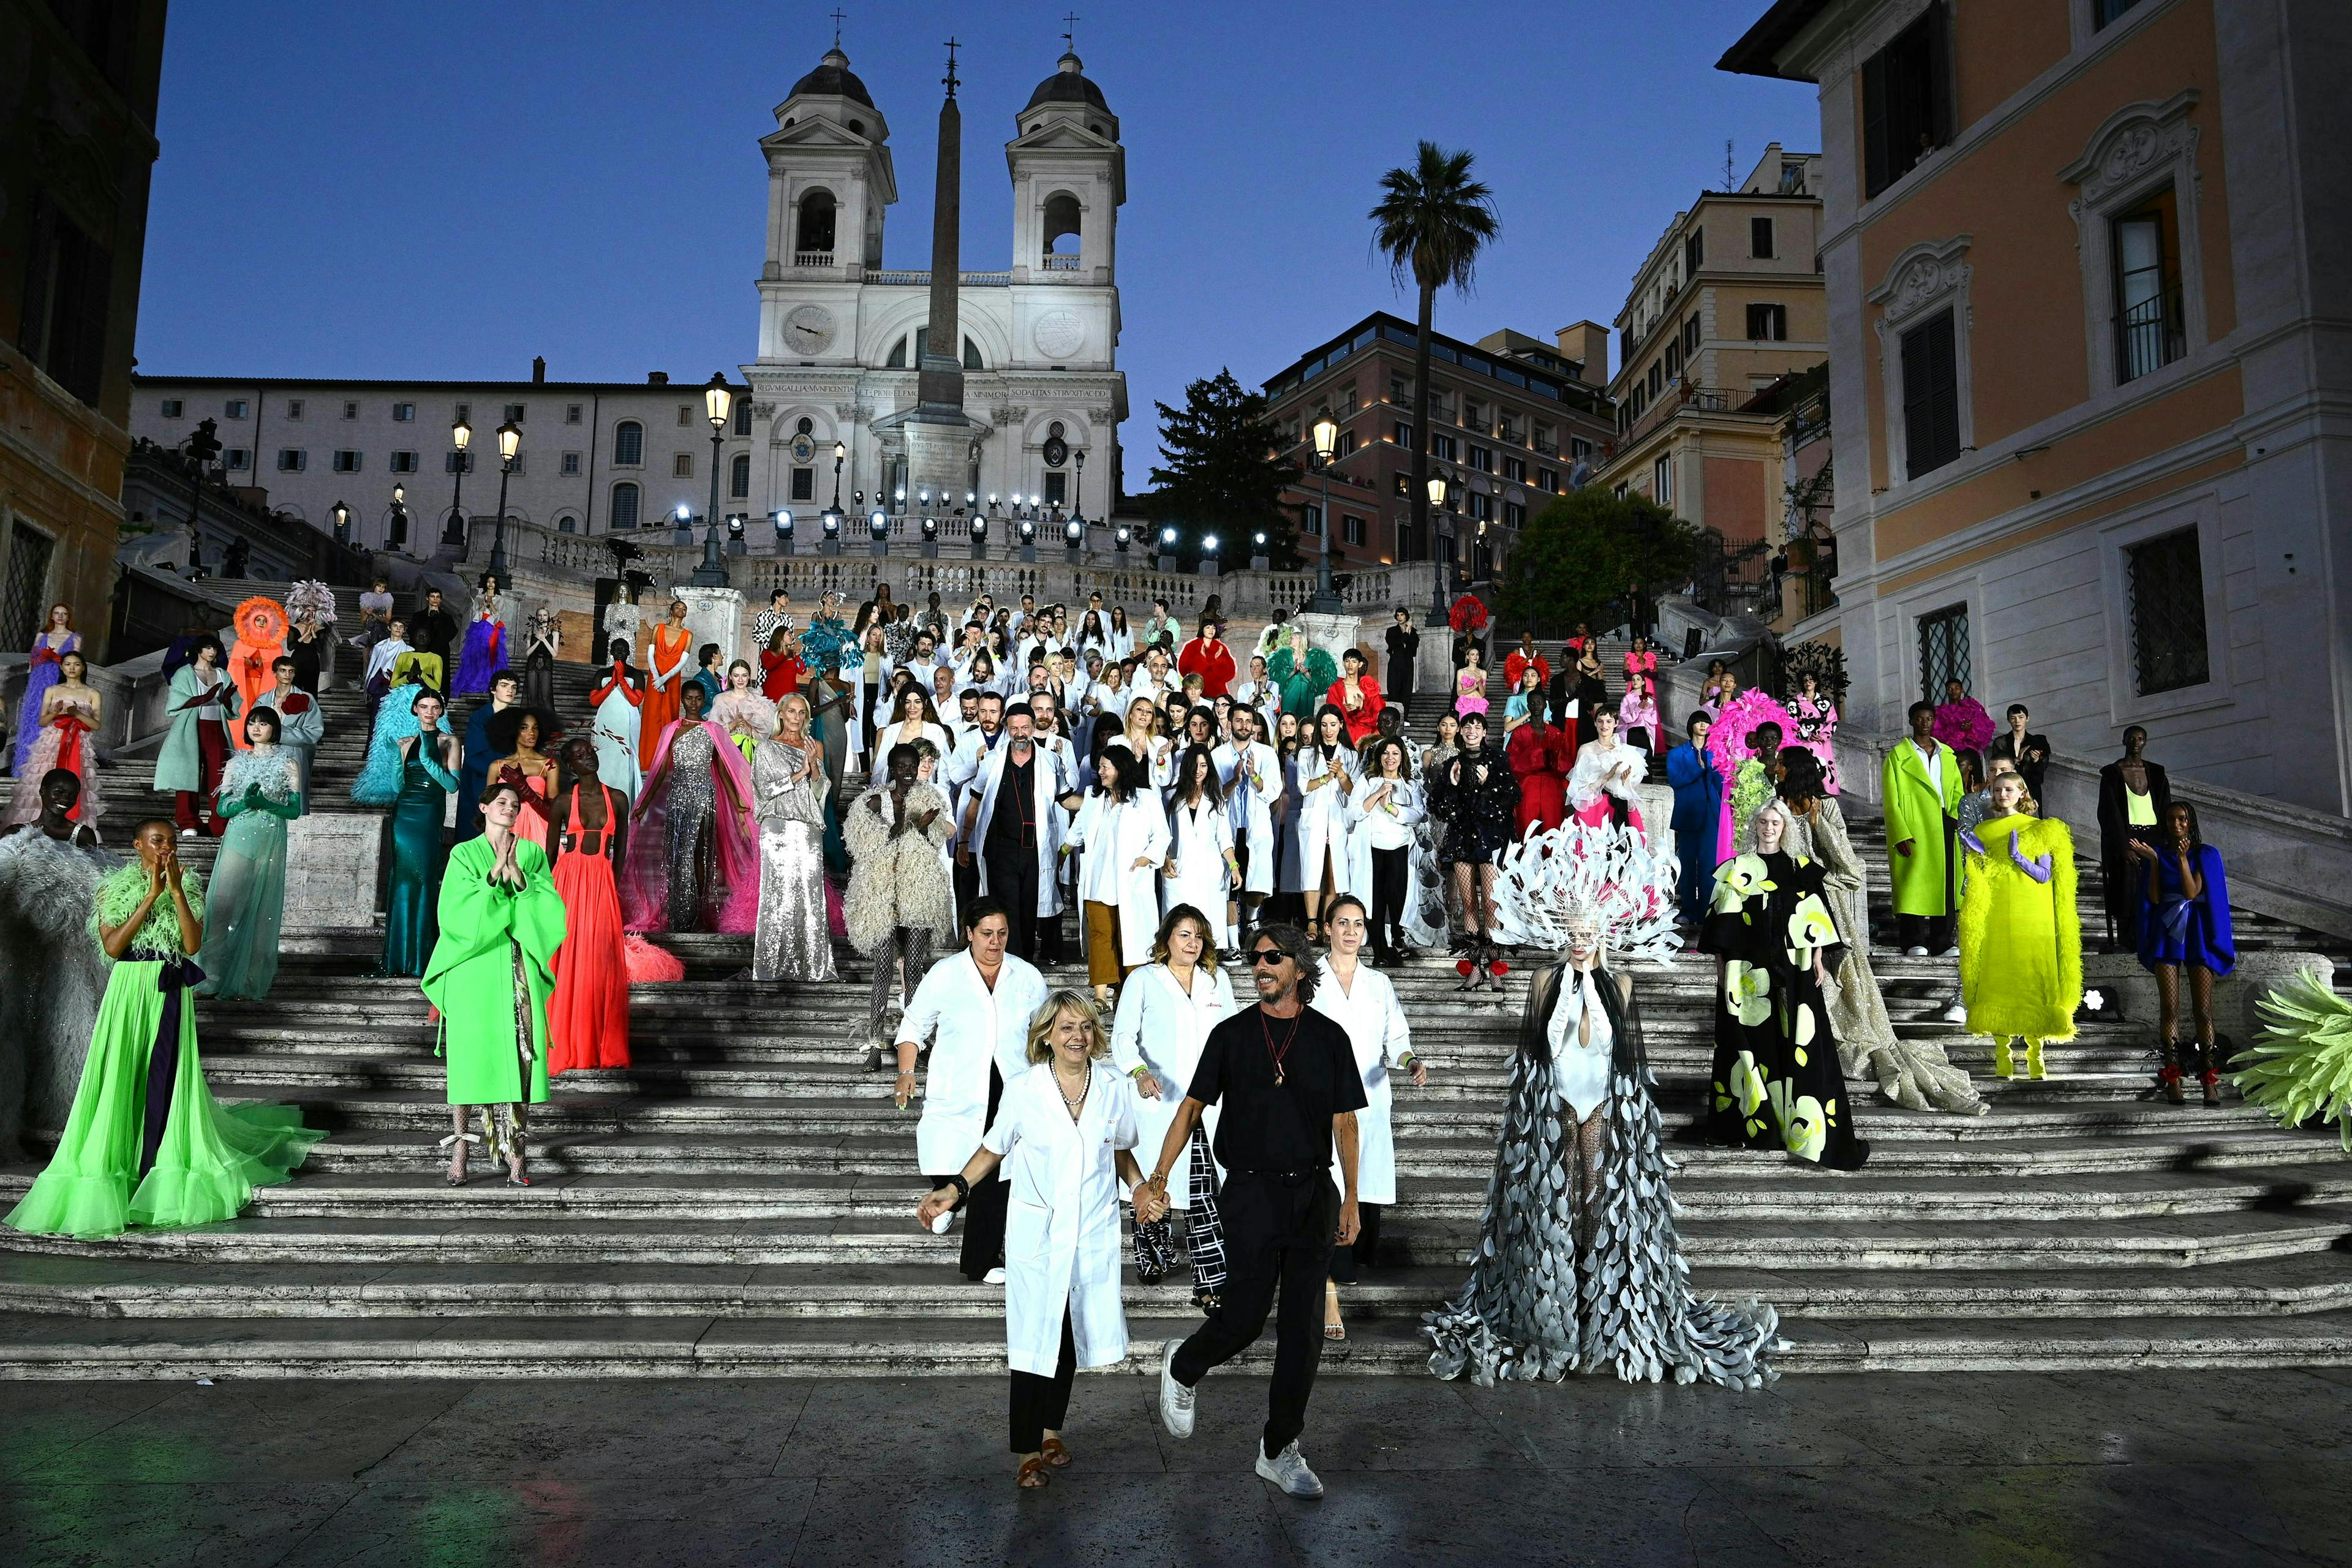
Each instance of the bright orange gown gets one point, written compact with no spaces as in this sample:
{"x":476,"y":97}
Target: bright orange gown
{"x":659,"y":711}
{"x":588,"y":1012}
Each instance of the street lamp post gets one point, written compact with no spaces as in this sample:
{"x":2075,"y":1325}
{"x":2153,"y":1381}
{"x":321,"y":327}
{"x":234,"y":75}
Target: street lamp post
{"x":342,"y":516}
{"x":1327,"y":449}
{"x":715,"y":401}
{"x":397,"y":528}
{"x":453,"y":537}
{"x":509,"y":443}
{"x":839,"y":452}
{"x":1437,"y":579}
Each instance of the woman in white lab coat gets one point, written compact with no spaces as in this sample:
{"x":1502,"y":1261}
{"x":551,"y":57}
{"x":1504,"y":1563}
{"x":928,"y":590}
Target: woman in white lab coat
{"x":1383,"y":814}
{"x":1200,"y":869}
{"x":1359,"y":999}
{"x":1166,"y":1010}
{"x":1325,"y":776}
{"x":1064,"y":1136}
{"x":1125,"y":836}
{"x":975,"y":1009}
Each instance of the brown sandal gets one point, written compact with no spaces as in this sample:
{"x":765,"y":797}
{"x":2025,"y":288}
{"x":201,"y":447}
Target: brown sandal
{"x":1055,"y":1452}
{"x":1033,"y":1475}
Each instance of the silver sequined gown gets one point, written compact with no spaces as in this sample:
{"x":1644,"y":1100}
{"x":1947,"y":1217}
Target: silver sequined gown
{"x":790,"y":941}
{"x":693,"y":846}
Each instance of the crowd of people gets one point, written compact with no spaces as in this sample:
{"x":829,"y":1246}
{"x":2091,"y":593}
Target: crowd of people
{"x":958,"y":797}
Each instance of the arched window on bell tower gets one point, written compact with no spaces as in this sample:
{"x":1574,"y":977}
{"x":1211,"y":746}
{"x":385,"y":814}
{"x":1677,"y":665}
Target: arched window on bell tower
{"x":813,"y":237}
{"x":1060,"y":231}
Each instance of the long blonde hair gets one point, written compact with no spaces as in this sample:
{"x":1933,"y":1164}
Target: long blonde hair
{"x":1040,"y":1049}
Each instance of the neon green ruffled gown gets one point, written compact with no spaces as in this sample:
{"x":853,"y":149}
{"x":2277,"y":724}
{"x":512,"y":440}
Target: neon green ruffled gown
{"x":209,"y":1158}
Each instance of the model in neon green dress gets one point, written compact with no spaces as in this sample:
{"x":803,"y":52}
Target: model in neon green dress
{"x":145,"y":1143}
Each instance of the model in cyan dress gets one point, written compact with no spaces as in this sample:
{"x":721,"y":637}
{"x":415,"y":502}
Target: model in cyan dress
{"x":502,"y":923}
{"x":197,"y":747}
{"x":260,"y":793}
{"x":425,"y":751}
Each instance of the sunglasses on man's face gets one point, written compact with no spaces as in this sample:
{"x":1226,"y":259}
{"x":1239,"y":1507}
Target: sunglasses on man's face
{"x":1267,"y":956}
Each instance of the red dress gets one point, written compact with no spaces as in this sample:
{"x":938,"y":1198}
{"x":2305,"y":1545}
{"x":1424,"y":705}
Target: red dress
{"x":659,"y":709}
{"x":588,"y":1012}
{"x":1213,"y":662}
{"x":783,"y":678}
{"x":1534,"y":756}
{"x":1363,"y":723}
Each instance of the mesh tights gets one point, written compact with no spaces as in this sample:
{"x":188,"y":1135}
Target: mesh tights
{"x":1586,"y":1142}
{"x":910,"y":944}
{"x":1475,"y":885}
{"x":2200,"y":998}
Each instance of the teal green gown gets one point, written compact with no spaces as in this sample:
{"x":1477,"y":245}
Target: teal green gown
{"x":409,"y":924}
{"x":260,"y":793}
{"x":207,"y":1158}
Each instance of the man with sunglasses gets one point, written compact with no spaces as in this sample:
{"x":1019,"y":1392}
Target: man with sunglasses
{"x":1286,"y":1079}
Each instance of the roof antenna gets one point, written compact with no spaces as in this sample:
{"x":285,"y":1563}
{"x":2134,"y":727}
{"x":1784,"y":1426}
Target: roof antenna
{"x":951,"y":77}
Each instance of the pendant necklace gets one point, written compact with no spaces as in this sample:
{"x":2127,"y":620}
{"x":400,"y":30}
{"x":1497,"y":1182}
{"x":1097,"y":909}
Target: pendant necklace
{"x":1273,"y":1055}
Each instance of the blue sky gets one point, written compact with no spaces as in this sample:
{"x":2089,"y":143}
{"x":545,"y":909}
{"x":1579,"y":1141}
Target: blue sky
{"x":444,"y":190}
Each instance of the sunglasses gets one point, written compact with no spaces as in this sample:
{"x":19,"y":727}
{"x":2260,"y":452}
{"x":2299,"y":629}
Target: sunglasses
{"x":1267,"y":956}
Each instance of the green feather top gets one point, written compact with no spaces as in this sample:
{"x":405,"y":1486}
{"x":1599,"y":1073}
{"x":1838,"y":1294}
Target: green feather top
{"x":118,"y":898}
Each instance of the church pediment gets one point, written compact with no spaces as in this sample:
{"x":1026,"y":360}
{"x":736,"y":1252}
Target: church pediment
{"x":812,"y":132}
{"x":1057,"y":135}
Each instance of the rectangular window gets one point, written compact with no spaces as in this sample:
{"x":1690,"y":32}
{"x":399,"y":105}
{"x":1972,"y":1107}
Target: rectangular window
{"x":686,"y":414}
{"x":1441,"y":447}
{"x":24,"y":603}
{"x":1944,"y":652}
{"x":404,"y":462}
{"x":237,"y":459}
{"x":571,"y":414}
{"x":171,"y":408}
{"x":1481,"y":505}
{"x":1547,"y":480}
{"x":1348,"y":404}
{"x":1402,"y":434}
{"x":1768,"y":323}
{"x":2151,"y":330}
{"x":458,"y":462}
{"x":1657,"y":379}
{"x":681,"y":467}
{"x":1402,"y":485}
{"x":1673,"y":357}
{"x":1662,"y":481}
{"x":404,"y":413}
{"x":742,"y":417}
{"x":1694,"y":252}
{"x":292,"y":459}
{"x":235,"y":408}
{"x":1690,"y":337}
{"x":463,"y":414}
{"x":347,"y":461}
{"x":1931,"y":396}
{"x":68,"y":276}
{"x":570,"y":465}
{"x":1057,"y":489}
{"x":1760,"y":238}
{"x":1351,"y":529}
{"x":2105,"y":11}
{"x":293,"y":408}
{"x":350,"y":409}
{"x":1516,"y":469}
{"x":1310,"y":521}
{"x":738,"y":476}
{"x":1514,"y":514}
{"x":1907,"y":101}
{"x":803,"y":484}
{"x":2167,"y":607}
{"x":514,"y":413}
{"x":1482,"y":458}
{"x":1579,"y":447}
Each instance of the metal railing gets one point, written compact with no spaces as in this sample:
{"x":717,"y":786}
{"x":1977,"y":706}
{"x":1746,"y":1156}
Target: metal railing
{"x":2150,"y":334}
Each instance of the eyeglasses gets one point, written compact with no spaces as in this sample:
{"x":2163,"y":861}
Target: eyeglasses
{"x":1266,"y":956}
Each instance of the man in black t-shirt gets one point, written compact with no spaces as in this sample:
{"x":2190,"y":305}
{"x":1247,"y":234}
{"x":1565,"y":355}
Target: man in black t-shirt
{"x":1286,"y":1078}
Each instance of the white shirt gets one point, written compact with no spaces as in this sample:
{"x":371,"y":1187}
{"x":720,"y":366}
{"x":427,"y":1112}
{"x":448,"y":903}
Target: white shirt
{"x":1932,"y":756}
{"x":1580,"y":1067}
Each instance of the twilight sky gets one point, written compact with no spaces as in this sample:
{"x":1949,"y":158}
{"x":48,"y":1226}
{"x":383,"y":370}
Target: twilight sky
{"x":444,"y":190}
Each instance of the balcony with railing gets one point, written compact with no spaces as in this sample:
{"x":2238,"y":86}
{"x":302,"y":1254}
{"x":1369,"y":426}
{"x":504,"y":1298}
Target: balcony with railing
{"x":921,"y":279}
{"x":1061,"y":263}
{"x":2150,"y":334}
{"x":1678,"y":395}
{"x":812,"y":258}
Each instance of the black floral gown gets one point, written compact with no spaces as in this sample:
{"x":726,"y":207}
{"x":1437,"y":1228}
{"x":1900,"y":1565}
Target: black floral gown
{"x":1776,"y":1083}
{"x":1478,"y":814}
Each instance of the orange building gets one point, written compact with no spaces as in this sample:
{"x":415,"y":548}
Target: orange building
{"x":2087,"y":289}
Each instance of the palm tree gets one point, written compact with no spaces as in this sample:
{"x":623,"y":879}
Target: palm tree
{"x":1430,"y":221}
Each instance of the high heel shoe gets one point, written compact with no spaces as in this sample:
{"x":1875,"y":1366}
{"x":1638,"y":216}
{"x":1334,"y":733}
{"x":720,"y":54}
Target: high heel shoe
{"x":2207,"y":1075}
{"x":2168,"y":1077}
{"x":457,"y":1141}
{"x":1334,"y":1328}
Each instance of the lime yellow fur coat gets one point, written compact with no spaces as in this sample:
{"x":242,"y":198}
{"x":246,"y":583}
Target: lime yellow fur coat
{"x":2021,"y":941}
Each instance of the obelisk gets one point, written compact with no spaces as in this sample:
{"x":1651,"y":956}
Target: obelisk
{"x":939,"y":433}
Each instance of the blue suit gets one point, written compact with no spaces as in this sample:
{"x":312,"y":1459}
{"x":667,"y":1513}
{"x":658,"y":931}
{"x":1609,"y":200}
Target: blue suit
{"x":475,"y":773}
{"x":1698,"y":786}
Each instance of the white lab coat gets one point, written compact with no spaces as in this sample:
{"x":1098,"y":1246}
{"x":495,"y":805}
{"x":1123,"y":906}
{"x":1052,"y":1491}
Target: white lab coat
{"x":1322,"y":820}
{"x":1406,"y":797}
{"x":1199,"y":840}
{"x":1048,"y":783}
{"x":1161,"y":1025}
{"x":1249,"y":808}
{"x":1381,"y":1040}
{"x":1114,"y":834}
{"x":1061,"y":1219}
{"x":969,"y":1025}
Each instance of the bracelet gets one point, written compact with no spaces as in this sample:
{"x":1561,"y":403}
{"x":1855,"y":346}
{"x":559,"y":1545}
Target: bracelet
{"x":962,"y":1187}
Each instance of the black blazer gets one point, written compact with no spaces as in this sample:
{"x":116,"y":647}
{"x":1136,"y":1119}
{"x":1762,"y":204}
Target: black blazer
{"x":2005,"y":745}
{"x":2115,"y":817}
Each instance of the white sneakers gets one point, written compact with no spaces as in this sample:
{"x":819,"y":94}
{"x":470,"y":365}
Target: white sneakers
{"x":1288,"y":1470}
{"x":1176,"y":1400}
{"x":1958,"y":1013}
{"x":994,"y":1276}
{"x":1915,"y":952}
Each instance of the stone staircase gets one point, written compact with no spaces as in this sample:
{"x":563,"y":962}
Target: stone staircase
{"x":739,"y":1203}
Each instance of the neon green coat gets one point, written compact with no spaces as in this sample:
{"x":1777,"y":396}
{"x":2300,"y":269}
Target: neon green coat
{"x":1915,"y":810}
{"x":471,"y":977}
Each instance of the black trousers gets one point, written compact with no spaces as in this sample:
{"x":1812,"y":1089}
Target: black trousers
{"x":967,"y":885}
{"x":1390,"y":880}
{"x":1279,"y":1232}
{"x":1013,"y":880}
{"x":1346,"y":1261}
{"x":1040,"y":1405}
{"x":984,"y":1212}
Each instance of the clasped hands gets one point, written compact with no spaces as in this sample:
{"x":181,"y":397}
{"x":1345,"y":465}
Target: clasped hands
{"x":1151,"y":1200}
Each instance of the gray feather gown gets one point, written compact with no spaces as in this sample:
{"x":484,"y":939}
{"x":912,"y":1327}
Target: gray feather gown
{"x":1533,"y":1307}
{"x":51,"y":977}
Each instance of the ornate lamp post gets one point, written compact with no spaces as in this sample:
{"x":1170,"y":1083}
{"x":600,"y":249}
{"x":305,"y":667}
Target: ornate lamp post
{"x":1327,"y":447}
{"x":396,"y":526}
{"x":715,"y":401}
{"x":509,"y":443}
{"x":839,"y":452}
{"x":453,"y":537}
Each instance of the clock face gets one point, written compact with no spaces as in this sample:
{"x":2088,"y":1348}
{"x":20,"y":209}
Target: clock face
{"x":808,"y":329}
{"x":1059,"y":334}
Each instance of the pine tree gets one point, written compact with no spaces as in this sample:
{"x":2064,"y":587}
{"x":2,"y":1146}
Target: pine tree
{"x":1224,"y":474}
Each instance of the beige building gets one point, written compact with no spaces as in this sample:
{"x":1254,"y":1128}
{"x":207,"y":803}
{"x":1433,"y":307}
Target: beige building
{"x":1727,"y":302}
{"x":2087,"y":289}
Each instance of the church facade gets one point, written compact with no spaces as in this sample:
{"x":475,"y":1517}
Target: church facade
{"x":842,"y":338}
